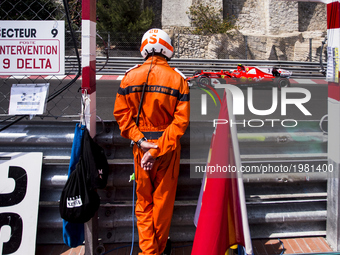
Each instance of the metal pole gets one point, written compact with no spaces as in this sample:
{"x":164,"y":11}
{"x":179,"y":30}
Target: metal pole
{"x":89,"y":60}
{"x":89,"y":90}
{"x":108,"y":41}
{"x":310,"y":49}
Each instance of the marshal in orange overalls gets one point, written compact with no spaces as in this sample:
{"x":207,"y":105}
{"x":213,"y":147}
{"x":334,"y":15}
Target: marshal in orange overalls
{"x":163,"y":120}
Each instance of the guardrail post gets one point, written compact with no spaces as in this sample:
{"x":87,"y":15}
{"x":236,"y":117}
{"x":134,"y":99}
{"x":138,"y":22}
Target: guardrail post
{"x":333,"y":188}
{"x":89,"y":89}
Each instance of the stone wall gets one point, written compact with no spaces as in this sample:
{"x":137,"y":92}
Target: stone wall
{"x":250,"y":15}
{"x":283,"y":17}
{"x":191,"y":46}
{"x":291,"y":46}
{"x":276,"y":16}
{"x":312,"y":17}
{"x":267,"y":30}
{"x":174,"y":13}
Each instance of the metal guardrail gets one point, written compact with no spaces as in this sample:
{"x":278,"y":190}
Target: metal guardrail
{"x":279,"y":205}
{"x":118,"y":66}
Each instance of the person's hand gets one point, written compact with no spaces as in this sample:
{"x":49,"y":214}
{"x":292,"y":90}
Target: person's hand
{"x":147,"y":161}
{"x":145,"y":146}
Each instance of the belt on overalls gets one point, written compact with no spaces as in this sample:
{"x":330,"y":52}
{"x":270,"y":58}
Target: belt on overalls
{"x":153,"y":135}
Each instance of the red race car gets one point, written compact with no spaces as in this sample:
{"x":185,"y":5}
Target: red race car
{"x":243,"y":76}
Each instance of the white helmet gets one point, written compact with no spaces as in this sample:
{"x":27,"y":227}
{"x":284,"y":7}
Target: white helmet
{"x":158,"y":41}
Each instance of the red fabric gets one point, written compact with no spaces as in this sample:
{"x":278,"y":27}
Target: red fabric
{"x":333,"y":15}
{"x":220,"y":222}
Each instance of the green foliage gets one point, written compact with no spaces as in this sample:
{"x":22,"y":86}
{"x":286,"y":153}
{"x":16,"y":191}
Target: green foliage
{"x":207,"y":20}
{"x":75,"y":8}
{"x":29,"y":10}
{"x":124,"y":16}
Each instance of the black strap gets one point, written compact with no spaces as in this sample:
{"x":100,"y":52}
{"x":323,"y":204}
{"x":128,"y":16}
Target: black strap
{"x":142,"y":97}
{"x":143,"y":91}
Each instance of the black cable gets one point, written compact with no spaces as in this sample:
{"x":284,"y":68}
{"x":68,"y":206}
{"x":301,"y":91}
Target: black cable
{"x":13,"y":122}
{"x":58,"y":92}
{"x":283,"y":247}
{"x":143,"y":91}
{"x":10,"y":117}
{"x":132,"y":142}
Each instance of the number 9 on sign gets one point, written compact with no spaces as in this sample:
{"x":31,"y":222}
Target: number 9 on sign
{"x":54,"y":32}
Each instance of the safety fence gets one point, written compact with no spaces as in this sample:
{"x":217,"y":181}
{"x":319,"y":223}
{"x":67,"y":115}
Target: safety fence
{"x":64,"y":94}
{"x":118,"y":66}
{"x":279,"y":203}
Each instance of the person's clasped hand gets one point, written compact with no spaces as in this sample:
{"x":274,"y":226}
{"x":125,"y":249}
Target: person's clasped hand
{"x":147,"y":160}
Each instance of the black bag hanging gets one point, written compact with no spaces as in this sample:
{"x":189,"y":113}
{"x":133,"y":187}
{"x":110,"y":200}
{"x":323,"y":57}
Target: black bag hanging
{"x":78,"y":202}
{"x":73,"y":233}
{"x":95,"y":162}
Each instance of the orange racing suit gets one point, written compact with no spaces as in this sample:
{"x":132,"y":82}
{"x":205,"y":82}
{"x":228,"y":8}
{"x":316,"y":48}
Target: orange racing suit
{"x":163,"y":120}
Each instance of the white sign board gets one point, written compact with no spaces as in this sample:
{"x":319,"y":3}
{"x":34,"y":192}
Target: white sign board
{"x":20,"y":175}
{"x":32,"y":47}
{"x":28,"y":99}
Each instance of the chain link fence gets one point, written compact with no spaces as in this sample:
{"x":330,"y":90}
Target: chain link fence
{"x":64,"y":90}
{"x":118,"y":44}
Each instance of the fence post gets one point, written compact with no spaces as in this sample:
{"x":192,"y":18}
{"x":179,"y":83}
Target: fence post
{"x":108,"y":41}
{"x":89,"y":89}
{"x":310,"y":49}
{"x":322,"y":69}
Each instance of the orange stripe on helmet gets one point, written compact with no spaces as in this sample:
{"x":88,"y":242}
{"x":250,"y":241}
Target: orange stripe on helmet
{"x":145,"y":42}
{"x":164,"y":43}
